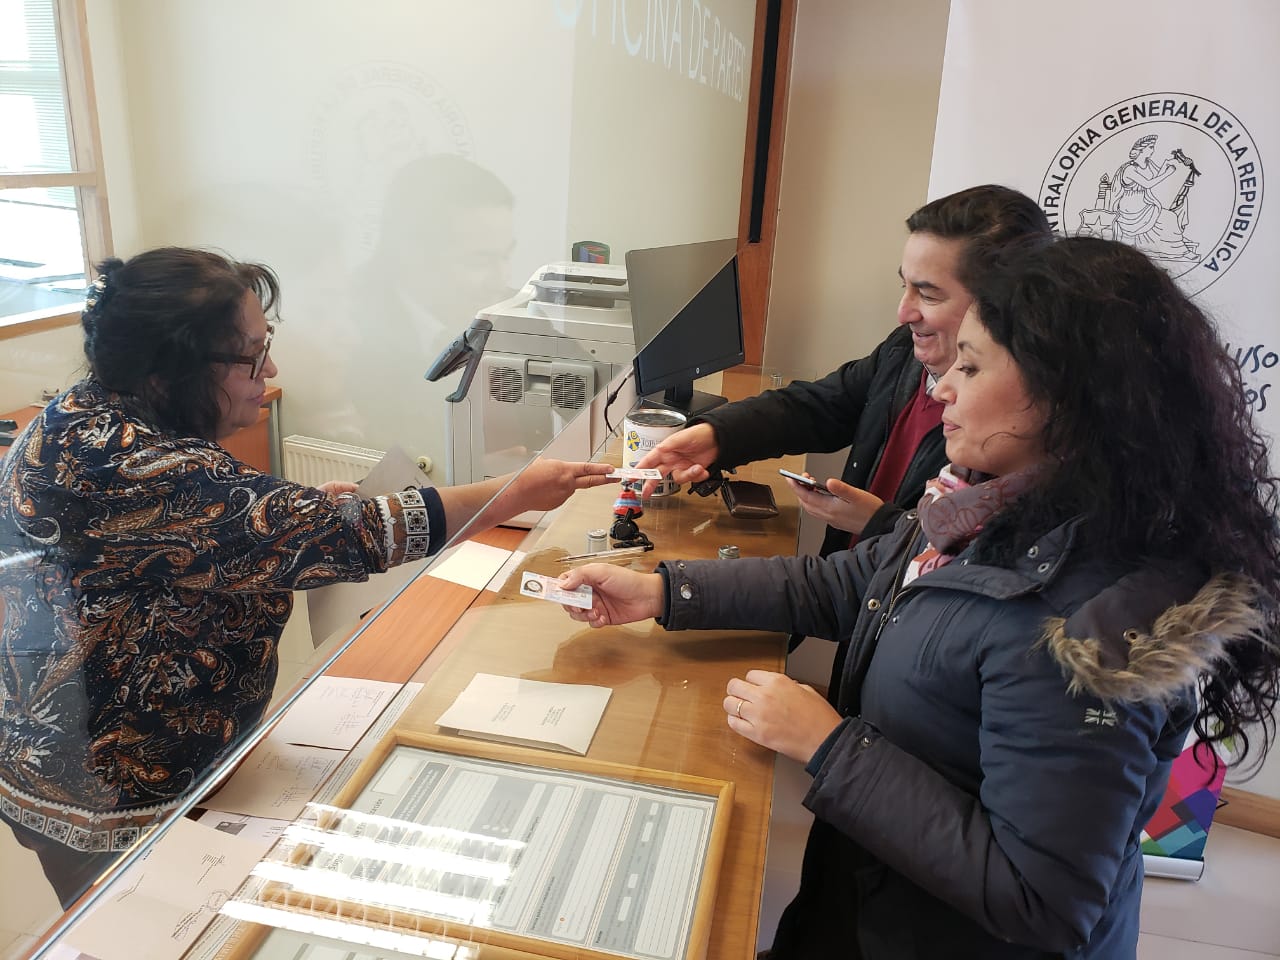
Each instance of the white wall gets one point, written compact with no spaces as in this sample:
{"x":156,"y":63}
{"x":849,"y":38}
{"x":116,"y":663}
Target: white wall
{"x":863,"y":97}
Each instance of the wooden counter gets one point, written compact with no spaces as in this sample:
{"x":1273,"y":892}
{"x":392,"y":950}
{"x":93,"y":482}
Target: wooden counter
{"x":665,"y":712}
{"x":666,"y":709}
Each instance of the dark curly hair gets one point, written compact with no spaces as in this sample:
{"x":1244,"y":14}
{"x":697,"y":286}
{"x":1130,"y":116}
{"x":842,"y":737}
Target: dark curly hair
{"x":1152,"y":436}
{"x":152,"y":323}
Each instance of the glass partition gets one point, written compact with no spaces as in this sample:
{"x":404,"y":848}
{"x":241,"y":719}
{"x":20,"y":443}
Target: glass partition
{"x":543,"y":541}
{"x":415,"y":171}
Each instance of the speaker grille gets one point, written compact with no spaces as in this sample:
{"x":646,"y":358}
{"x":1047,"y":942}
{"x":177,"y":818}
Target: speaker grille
{"x":568,"y":390}
{"x":506,"y":384}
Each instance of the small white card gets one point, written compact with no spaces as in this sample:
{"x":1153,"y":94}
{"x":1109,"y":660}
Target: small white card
{"x":635,"y":473}
{"x":470,"y":564}
{"x":548,"y":588}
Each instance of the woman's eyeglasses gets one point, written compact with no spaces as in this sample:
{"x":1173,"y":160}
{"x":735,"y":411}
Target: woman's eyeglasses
{"x":254,"y":363}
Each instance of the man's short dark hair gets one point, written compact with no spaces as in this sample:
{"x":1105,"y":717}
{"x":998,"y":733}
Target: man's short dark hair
{"x":990,"y":217}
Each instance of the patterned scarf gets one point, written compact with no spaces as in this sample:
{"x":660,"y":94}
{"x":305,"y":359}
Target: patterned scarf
{"x":955,"y":506}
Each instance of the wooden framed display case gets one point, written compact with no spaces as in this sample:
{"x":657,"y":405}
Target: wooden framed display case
{"x":547,"y":855}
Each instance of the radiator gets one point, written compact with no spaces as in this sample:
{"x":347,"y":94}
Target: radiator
{"x":312,"y":461}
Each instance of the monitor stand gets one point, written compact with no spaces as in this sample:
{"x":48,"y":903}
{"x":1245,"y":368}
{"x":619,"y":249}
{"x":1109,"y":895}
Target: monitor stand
{"x":690,"y":402}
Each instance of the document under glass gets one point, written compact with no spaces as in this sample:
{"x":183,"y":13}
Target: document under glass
{"x":532,"y":852}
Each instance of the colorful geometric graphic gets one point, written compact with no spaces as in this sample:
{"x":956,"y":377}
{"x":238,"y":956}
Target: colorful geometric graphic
{"x":1180,"y":825}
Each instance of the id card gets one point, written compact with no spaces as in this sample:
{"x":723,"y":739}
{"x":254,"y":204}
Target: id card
{"x":635,"y":473}
{"x":548,"y":588}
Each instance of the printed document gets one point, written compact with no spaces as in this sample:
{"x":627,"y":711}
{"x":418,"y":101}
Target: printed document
{"x":158,"y":908}
{"x":533,"y":713}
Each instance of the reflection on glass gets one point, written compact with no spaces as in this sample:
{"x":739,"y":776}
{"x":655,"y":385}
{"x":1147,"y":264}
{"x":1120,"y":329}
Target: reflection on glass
{"x":147,"y":575}
{"x":444,"y":241}
{"x":311,"y":944}
{"x":524,"y":851}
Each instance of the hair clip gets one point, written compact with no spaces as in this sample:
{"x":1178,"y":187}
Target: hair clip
{"x":98,"y":293}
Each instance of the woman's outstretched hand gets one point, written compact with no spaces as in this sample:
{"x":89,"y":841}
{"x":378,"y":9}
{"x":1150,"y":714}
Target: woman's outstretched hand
{"x":545,"y":484}
{"x":618,"y":595}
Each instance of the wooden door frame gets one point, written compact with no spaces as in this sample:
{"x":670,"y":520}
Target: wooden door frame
{"x":762,"y":166}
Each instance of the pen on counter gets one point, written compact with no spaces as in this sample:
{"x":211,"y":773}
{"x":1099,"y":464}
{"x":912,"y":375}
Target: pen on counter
{"x":606,"y":555}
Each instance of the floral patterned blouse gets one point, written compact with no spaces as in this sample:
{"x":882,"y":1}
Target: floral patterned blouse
{"x":145,"y":580}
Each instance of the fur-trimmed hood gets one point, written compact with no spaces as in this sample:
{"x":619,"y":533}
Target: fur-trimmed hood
{"x":1150,"y":635}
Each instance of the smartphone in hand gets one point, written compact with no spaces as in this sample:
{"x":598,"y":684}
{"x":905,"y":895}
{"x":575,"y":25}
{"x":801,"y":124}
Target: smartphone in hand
{"x":807,"y":482}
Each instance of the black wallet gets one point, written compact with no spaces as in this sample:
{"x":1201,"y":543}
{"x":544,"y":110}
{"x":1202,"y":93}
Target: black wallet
{"x":748,"y":500}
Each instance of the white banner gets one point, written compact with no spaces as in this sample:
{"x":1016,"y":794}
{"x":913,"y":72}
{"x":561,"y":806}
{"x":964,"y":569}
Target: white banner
{"x":1147,"y":123}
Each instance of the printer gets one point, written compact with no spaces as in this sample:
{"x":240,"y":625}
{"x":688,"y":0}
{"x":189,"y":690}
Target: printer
{"x":530,"y":364}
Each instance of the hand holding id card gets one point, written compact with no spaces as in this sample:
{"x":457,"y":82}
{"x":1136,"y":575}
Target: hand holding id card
{"x":548,"y":588}
{"x":635,"y":473}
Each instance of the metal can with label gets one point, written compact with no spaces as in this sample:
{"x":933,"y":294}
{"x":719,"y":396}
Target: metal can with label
{"x":644,"y":429}
{"x":597,"y":540}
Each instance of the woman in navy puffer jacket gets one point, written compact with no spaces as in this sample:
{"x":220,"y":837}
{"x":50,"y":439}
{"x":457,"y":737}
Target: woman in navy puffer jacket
{"x":1025,"y":650}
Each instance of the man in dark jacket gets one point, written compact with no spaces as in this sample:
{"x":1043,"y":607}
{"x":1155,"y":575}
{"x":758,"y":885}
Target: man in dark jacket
{"x":878,"y":406}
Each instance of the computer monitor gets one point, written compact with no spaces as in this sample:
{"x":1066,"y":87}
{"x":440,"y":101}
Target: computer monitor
{"x":686,"y":313}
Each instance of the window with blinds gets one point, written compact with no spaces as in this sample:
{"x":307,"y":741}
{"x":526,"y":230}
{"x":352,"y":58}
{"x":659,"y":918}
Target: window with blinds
{"x":52,"y":205}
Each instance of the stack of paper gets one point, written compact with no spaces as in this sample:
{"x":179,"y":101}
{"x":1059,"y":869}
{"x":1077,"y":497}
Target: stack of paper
{"x":557,"y":716}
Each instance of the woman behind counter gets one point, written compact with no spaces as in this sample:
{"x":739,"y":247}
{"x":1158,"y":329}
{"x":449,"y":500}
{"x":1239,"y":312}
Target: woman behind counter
{"x":146,"y":574}
{"x":1024,"y":653}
